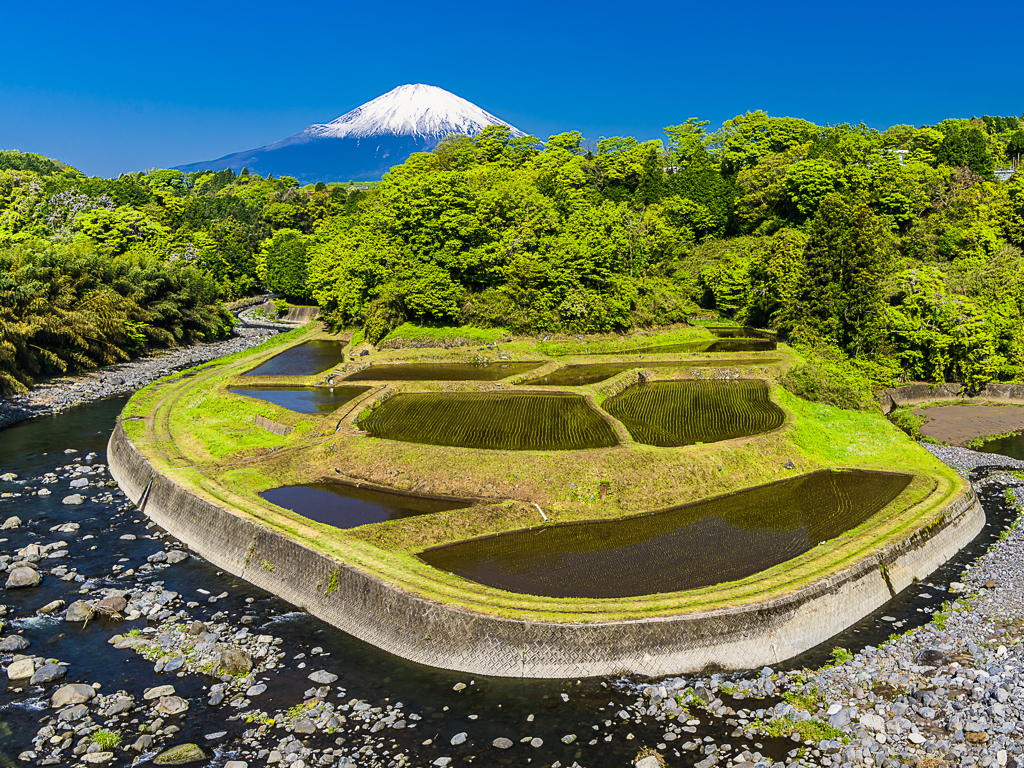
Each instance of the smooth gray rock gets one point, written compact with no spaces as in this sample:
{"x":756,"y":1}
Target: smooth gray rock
{"x":172,"y":705}
{"x":322,"y":677}
{"x":76,"y":693}
{"x":76,"y":712}
{"x":177,"y":556}
{"x":304,"y":726}
{"x":78,"y":611}
{"x":13,"y":643}
{"x":11,"y":522}
{"x":23,"y":576}
{"x":501,"y":743}
{"x":74,"y":499}
{"x":47,"y":674}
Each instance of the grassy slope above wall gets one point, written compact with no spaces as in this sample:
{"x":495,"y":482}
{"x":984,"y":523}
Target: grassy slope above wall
{"x":217,"y":451}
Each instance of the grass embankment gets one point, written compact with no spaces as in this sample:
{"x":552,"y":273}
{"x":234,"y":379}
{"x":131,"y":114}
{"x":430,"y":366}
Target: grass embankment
{"x":215,"y":449}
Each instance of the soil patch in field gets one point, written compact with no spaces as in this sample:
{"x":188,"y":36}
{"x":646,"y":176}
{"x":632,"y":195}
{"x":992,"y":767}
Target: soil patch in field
{"x":959,"y":424}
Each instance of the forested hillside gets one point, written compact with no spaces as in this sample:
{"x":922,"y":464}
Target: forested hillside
{"x":892,"y":255}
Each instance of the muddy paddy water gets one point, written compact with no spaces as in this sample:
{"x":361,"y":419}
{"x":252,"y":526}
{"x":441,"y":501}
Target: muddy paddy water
{"x":492,"y":420}
{"x":306,"y":359}
{"x":442,"y":371}
{"x":591,"y":373}
{"x":348,"y":506}
{"x":695,"y":545}
{"x":302,"y":399}
{"x":446,"y":703}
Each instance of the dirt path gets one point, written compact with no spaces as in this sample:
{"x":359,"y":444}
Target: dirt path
{"x":959,"y":424}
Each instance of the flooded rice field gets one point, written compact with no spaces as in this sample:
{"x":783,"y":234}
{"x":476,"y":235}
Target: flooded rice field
{"x":677,"y":413}
{"x":695,"y":545}
{"x":349,"y":506}
{"x":302,"y":399}
{"x":591,"y":373}
{"x":492,"y":420}
{"x":307,"y":359}
{"x":442,"y":371}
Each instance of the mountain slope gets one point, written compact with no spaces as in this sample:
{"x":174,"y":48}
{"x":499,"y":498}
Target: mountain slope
{"x":364,"y":143}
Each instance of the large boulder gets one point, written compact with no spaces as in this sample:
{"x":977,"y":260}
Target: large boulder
{"x":235,"y":663}
{"x":10,"y":522}
{"x":23,"y":576}
{"x":78,"y":611}
{"x":113,"y":604}
{"x":13,"y":643}
{"x":74,"y":499}
{"x":75,"y":693}
{"x":48,"y":673}
{"x":181,"y":754}
{"x":21,"y":669}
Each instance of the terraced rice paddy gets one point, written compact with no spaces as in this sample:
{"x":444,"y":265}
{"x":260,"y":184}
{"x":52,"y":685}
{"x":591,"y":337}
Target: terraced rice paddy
{"x":696,"y":545}
{"x":346,"y":506}
{"x":302,"y":399}
{"x":306,"y":359}
{"x":675,"y":413}
{"x":494,"y":420}
{"x":442,"y":371}
{"x":591,"y":373}
{"x":718,"y":345}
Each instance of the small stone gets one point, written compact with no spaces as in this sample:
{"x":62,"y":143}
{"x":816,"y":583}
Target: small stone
{"x":956,"y":587}
{"x":78,"y":611}
{"x":459,"y":687}
{"x":47,"y":674}
{"x":235,"y":662}
{"x":179,"y":755}
{"x":322,"y":677}
{"x":172,"y":705}
{"x":23,"y":576}
{"x":569,"y":738}
{"x":650,"y":762}
{"x":177,"y":556}
{"x":441,"y":762}
{"x":110,"y":605}
{"x":536,"y":743}
{"x":931,"y":657}
{"x":218,"y":736}
{"x":304,"y":726}
{"x":459,"y":738}
{"x":97,"y":758}
{"x":75,"y":693}
{"x":501,"y":743}
{"x":77,"y":712}
{"x":74,"y":499}
{"x":51,"y":607}
{"x":873,"y":722}
{"x":80,"y":482}
{"x":158,"y":692}
{"x":10,"y":522}
{"x":256,"y":690}
{"x":236,"y":764}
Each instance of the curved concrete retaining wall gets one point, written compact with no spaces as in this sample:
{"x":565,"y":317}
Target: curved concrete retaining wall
{"x":912,"y":394}
{"x":443,"y":636}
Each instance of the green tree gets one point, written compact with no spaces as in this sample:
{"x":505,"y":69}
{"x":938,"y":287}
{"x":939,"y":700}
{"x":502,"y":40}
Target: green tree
{"x":282,"y":264}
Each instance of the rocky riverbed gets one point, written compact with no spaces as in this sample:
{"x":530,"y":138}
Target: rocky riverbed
{"x":119,"y":646}
{"x":58,"y":394}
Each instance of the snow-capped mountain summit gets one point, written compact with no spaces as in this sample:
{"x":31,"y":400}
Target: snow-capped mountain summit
{"x":411,"y":110}
{"x":366,"y":142}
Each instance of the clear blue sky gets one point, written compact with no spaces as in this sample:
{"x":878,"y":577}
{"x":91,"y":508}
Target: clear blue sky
{"x":115,"y":87}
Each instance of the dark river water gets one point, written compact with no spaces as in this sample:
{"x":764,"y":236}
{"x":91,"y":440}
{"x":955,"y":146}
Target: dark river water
{"x":502,"y":707}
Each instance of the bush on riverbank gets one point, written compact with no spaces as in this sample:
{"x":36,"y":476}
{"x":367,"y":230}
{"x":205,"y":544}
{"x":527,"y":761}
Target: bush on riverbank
{"x":68,"y":308}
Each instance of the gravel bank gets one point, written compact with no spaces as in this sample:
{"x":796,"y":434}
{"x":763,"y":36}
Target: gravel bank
{"x":57,"y":395}
{"x":965,"y":461}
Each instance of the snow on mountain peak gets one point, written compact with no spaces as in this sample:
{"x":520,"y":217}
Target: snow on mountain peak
{"x":410,"y":110}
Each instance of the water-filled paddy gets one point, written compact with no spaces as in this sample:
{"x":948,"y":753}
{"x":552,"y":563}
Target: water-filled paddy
{"x":306,"y":359}
{"x":442,"y":371}
{"x":506,"y":420}
{"x":302,"y":399}
{"x":687,"y":547}
{"x":591,"y":373}
{"x":346,"y":506}
{"x":674,"y":413}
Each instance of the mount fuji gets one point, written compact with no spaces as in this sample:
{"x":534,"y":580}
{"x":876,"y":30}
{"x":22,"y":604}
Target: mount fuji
{"x":364,"y":143}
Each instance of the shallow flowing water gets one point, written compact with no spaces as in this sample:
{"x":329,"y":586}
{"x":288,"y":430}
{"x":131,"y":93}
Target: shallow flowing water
{"x":486,"y":709}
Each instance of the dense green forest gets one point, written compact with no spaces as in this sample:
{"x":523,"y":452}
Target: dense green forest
{"x":885,"y":256}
